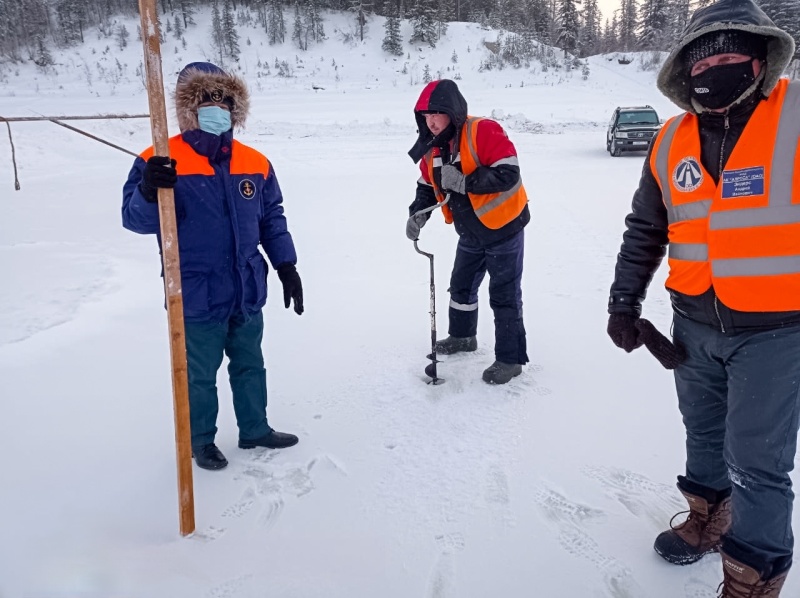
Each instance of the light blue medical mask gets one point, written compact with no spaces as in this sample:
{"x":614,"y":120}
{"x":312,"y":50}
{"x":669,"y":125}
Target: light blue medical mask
{"x":213,"y":119}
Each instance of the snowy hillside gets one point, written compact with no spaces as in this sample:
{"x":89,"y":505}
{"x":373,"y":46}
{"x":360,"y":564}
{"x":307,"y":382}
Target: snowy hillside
{"x":553,"y":486}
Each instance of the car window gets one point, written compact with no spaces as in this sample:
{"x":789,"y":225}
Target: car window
{"x":644,"y":117}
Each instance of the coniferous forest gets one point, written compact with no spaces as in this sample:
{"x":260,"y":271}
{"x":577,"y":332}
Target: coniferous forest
{"x":33,"y":30}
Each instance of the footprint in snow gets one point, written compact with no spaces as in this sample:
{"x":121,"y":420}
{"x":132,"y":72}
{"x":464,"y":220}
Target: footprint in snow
{"x":229,"y":589}
{"x":209,"y":534}
{"x":242,"y":506}
{"x":640,"y":495}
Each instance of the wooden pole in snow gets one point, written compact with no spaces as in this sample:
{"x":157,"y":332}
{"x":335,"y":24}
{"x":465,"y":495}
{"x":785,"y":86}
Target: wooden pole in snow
{"x":172,"y":273}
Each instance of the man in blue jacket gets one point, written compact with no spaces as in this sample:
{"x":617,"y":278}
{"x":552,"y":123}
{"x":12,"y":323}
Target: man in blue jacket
{"x":227,"y":203}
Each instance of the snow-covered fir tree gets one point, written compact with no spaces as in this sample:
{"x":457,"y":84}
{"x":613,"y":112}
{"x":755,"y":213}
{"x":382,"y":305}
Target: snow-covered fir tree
{"x":423,"y":22}
{"x":359,"y":9}
{"x":392,"y":40}
{"x":298,"y":29}
{"x":186,"y":10}
{"x":229,"y":33}
{"x":568,"y":26}
{"x":653,"y":21}
{"x":590,"y":28}
{"x":628,"y":25}
{"x":276,"y":24}
{"x":177,"y":27}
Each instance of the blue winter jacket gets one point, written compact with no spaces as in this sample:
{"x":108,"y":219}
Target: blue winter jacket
{"x":227,"y":203}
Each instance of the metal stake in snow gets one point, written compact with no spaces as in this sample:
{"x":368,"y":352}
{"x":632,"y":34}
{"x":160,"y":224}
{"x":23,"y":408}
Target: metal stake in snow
{"x":172,"y":273}
{"x":430,"y":369}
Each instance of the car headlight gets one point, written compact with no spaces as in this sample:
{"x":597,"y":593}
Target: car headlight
{"x":620,"y":135}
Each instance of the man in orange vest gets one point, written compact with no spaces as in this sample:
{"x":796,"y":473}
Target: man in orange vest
{"x":228,"y":203}
{"x":721,"y":189}
{"x":471,"y":163}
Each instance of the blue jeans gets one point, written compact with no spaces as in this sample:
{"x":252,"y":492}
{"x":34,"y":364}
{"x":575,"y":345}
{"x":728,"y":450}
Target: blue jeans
{"x":503,"y":261}
{"x":740,"y":400}
{"x":240,"y":340}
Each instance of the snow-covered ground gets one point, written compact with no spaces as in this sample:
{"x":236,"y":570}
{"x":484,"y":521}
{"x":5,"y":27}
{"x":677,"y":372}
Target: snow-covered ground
{"x":553,"y":486}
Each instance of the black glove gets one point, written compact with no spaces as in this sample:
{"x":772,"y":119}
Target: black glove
{"x":623,"y":331}
{"x":453,"y":180}
{"x":669,"y":354}
{"x":159,"y":173}
{"x":292,"y":287}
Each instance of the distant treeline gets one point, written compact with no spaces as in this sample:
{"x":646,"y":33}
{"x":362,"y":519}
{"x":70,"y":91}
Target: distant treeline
{"x":31,"y":29}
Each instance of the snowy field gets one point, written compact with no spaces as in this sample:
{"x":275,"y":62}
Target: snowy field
{"x":553,"y":486}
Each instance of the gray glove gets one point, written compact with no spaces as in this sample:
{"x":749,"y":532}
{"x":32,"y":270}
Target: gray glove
{"x":414,"y":224}
{"x":453,"y":180}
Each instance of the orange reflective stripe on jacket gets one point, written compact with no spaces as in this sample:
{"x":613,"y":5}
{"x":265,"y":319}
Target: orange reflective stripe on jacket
{"x":494,"y":210}
{"x":742,"y":234}
{"x":244,"y":159}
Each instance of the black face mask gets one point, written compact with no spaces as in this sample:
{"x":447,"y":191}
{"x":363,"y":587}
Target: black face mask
{"x":720,"y":86}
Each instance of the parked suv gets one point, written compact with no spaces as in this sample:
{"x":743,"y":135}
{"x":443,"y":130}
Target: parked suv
{"x":632,"y":128}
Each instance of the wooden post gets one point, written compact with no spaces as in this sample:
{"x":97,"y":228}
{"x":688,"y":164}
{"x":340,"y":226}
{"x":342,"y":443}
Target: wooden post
{"x":172,"y":273}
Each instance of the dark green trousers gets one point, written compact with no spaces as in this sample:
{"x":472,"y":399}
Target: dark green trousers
{"x":240,"y":340}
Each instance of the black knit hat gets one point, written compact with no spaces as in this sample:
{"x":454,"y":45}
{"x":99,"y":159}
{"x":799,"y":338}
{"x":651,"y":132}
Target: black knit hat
{"x":724,"y":41}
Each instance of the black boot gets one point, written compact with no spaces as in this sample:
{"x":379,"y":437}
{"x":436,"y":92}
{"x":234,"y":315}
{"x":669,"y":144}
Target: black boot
{"x":456,"y":344}
{"x":208,"y":456}
{"x":500,"y":373}
{"x":272,"y":439}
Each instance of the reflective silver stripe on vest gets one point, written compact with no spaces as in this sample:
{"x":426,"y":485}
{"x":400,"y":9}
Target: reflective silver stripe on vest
{"x":498,"y":200}
{"x":756,"y":266}
{"x":691,"y":252}
{"x":422,"y":181}
{"x":463,"y":306}
{"x":437,"y":162}
{"x":780,"y":209}
{"x":783,"y":157}
{"x":470,"y":123}
{"x":484,"y":209}
{"x":690,"y":211}
{"x":512,"y":160}
{"x":662,"y":163}
{"x":769,"y":216}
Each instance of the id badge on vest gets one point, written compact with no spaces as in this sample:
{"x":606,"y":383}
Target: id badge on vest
{"x":743,"y":182}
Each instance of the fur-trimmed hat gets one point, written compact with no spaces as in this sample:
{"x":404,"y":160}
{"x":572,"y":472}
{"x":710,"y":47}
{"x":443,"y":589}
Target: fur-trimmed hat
{"x":731,"y":41}
{"x":725,"y":16}
{"x":201,"y":82}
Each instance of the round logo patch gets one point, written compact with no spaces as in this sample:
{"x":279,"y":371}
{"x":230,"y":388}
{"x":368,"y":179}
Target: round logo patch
{"x":216,"y":96}
{"x":247,"y":189}
{"x":688,"y":175}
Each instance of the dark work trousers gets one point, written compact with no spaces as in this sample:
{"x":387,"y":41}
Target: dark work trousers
{"x":240,"y":340}
{"x":503,"y":261}
{"x":740,"y":398}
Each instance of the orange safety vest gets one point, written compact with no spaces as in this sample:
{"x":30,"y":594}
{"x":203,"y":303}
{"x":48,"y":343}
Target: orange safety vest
{"x":244,"y":159}
{"x":494,"y":210}
{"x":742,"y":234}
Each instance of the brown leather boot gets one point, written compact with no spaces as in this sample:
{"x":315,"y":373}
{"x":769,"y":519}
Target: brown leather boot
{"x":709,"y":518}
{"x":742,"y":581}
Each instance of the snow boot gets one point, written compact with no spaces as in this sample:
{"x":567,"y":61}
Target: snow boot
{"x":709,"y":518}
{"x":743,"y":581}
{"x":456,"y":344}
{"x":208,"y":456}
{"x":272,"y":439}
{"x":500,"y":373}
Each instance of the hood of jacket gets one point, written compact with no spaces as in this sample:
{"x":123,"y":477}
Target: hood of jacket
{"x":199,"y":80}
{"x":438,"y":96}
{"x":745,"y":15}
